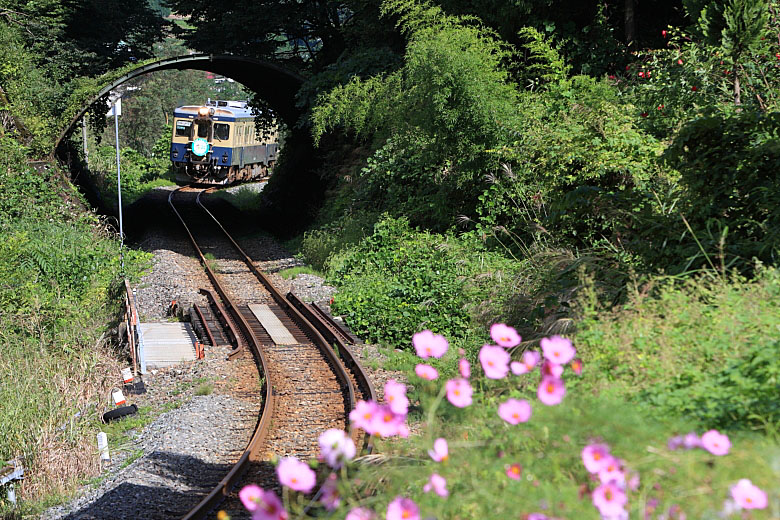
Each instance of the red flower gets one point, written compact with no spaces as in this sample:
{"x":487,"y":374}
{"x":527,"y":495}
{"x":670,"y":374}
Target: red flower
{"x":726,"y":72}
{"x":660,"y":107}
{"x":611,"y":76}
{"x":663,"y":33}
{"x":679,"y":62}
{"x":777,"y":55}
{"x":641,"y":74}
{"x":643,"y":114}
{"x":694,"y":88}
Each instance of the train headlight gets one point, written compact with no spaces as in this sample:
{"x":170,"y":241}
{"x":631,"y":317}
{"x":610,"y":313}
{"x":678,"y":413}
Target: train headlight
{"x":224,"y":157}
{"x":203,"y":111}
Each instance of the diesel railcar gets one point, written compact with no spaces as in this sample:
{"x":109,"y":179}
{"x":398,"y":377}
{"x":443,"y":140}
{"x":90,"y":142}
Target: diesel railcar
{"x":216,"y":144}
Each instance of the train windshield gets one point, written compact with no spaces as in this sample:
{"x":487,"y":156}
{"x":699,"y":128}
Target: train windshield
{"x":183,"y":128}
{"x":221,"y":131}
{"x":203,"y":129}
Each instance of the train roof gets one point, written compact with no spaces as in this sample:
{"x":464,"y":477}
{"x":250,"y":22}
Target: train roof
{"x":223,"y":110}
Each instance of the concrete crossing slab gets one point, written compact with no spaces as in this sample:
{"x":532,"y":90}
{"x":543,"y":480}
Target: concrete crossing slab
{"x":167,"y":344}
{"x":272,"y":324}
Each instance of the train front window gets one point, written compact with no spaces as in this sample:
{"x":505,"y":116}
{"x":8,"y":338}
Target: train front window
{"x":183,"y":128}
{"x":221,"y":131}
{"x":203,"y":129}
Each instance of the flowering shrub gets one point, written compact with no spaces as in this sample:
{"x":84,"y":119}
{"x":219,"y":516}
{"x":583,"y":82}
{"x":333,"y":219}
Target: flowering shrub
{"x":448,"y":480}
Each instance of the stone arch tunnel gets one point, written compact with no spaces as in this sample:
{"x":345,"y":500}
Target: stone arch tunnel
{"x":277,"y":85}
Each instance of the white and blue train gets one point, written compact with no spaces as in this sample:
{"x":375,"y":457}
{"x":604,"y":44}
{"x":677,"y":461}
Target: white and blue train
{"x":216,"y":144}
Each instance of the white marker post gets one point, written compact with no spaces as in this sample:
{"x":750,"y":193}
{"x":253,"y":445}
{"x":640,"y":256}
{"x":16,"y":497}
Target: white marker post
{"x":115,"y":112}
{"x":102,"y":442}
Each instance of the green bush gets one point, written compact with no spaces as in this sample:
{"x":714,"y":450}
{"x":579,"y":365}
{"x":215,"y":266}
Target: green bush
{"x":139,"y":172}
{"x":743,"y":393}
{"x":578,"y":172}
{"x":432,"y":122}
{"x":702,"y":347}
{"x":399,"y":281}
{"x":317,"y":245}
{"x":740,"y":191}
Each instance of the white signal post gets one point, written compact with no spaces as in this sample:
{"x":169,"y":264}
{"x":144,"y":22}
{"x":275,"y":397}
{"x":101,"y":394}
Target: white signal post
{"x":116,"y":111}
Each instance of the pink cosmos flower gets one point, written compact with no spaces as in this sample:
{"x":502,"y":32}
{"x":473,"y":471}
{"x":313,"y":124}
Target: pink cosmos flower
{"x":295,"y":474}
{"x":594,"y":456}
{"x":360,"y":513}
{"x":459,"y":392}
{"x":633,"y":482}
{"x":264,"y":504}
{"x":403,"y":509}
{"x":550,"y":369}
{"x":504,"y":335}
{"x":427,"y":344}
{"x":395,"y":395}
{"x":515,"y":411}
{"x":440,"y":451}
{"x":748,"y":496}
{"x":609,"y":499}
{"x":514,"y":471}
{"x":426,"y":372}
{"x":336,"y":447}
{"x":674,"y":443}
{"x":250,"y":496}
{"x":557,"y":350}
{"x":576,"y":366}
{"x":611,"y":472}
{"x":495,"y":361}
{"x":530,"y":359}
{"x":715,"y":442}
{"x":537,"y":516}
{"x":551,"y":391}
{"x":691,"y":440}
{"x":386,"y":423}
{"x":465,"y":368}
{"x":363,"y":415}
{"x":438,"y":484}
{"x":329,"y":498}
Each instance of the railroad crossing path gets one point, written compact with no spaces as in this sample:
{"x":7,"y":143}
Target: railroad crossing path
{"x":167,"y":344}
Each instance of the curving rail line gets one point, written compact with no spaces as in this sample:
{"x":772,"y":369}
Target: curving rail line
{"x":350,"y":375}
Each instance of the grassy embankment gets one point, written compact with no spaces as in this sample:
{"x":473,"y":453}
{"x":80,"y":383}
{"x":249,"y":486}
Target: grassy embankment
{"x":59,"y":292}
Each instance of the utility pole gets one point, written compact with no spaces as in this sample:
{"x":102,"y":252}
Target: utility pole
{"x":84,"y":138}
{"x":116,"y":111}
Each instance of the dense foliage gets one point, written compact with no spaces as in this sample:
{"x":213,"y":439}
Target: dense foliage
{"x":397,"y":279}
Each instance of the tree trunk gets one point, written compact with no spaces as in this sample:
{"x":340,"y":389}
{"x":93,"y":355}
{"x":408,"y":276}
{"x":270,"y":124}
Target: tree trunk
{"x":630,"y":21}
{"x":737,"y":91}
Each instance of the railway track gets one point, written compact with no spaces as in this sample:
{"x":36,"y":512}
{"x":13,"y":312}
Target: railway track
{"x":310,"y":380}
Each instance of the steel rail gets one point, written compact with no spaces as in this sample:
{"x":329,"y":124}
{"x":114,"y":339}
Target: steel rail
{"x":224,"y":319}
{"x":294,"y":313}
{"x":261,"y":429}
{"x":206,"y":329}
{"x":335,"y":327}
{"x":343,"y":351}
